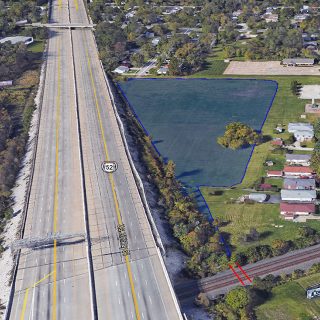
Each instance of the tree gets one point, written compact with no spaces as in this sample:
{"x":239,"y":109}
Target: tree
{"x":237,"y":298}
{"x":137,"y":59}
{"x":174,"y":67}
{"x":315,"y":161}
{"x":238,"y":135}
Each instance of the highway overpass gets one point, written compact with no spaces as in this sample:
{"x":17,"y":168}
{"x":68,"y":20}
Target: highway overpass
{"x":117,"y":272}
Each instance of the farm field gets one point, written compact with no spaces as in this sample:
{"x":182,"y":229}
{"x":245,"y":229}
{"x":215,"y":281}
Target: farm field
{"x":185,"y":122}
{"x":289,"y":302}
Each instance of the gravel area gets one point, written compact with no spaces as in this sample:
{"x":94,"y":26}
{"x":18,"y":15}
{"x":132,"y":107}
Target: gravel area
{"x":267,"y":68}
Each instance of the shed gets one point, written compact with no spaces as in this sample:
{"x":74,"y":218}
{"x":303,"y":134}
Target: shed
{"x":298,"y":195}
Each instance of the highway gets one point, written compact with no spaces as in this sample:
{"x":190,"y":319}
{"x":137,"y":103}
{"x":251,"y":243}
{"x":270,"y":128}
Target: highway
{"x":226,"y":280}
{"x":71,"y":194}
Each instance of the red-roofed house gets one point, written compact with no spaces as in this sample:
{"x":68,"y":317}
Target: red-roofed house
{"x":291,"y":210}
{"x":274,"y":173}
{"x":305,"y":172}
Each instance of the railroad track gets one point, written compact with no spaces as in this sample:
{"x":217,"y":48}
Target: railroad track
{"x":192,"y":288}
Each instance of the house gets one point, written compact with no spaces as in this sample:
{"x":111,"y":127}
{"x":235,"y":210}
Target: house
{"x":163,"y":70}
{"x":149,"y":35}
{"x":299,"y":159}
{"x":295,"y":171}
{"x":302,"y":136}
{"x":298,"y":195}
{"x":291,"y":210}
{"x":274,"y":173}
{"x":301,"y":131}
{"x":258,"y":197}
{"x":17,"y":39}
{"x":299,"y":184}
{"x":302,"y":126}
{"x":121,"y":70}
{"x":298,"y":62}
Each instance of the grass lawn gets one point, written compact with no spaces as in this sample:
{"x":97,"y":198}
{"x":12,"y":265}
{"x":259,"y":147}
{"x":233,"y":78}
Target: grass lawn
{"x":213,"y":67}
{"x":289,"y":302}
{"x":240,"y":217}
{"x":37,"y":46}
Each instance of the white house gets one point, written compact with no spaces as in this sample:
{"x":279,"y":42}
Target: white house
{"x":301,"y":131}
{"x":300,"y":159}
{"x":298,"y":195}
{"x":17,"y":39}
{"x":121,"y":70}
{"x":299,"y":126}
{"x":302,"y":136}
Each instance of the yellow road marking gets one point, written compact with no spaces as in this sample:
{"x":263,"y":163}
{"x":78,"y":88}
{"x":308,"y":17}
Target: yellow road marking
{"x":76,"y":4}
{"x":135,"y":301}
{"x":56,"y":188}
{"x":25,"y":299}
{"x":55,"y":208}
{"x":44,"y":278}
{"x":24,"y":304}
{"x":59,"y":4}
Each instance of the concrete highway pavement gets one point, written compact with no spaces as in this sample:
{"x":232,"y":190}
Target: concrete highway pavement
{"x":56,"y":202}
{"x":113,"y":200}
{"x":54,"y":283}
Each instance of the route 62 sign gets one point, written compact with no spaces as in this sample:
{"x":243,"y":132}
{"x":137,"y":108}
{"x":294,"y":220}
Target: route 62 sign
{"x":109,"y":166}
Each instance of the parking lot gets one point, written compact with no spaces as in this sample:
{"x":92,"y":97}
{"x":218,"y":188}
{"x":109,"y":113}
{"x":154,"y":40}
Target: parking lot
{"x":268,"y":68}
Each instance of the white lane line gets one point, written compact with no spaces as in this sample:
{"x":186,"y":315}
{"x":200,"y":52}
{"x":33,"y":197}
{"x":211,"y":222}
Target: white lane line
{"x":150,"y":299}
{"x":116,"y":283}
{"x":128,"y":294}
{"x":131,"y":315}
{"x":146,"y":282}
{"x":119,"y":300}
{"x":142,"y":315}
{"x":32,"y":308}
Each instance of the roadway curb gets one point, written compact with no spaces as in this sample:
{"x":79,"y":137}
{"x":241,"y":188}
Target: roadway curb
{"x":94,"y":309}
{"x":28,"y":192}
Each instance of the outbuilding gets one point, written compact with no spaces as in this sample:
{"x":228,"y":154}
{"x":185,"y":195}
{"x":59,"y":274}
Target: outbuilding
{"x":298,"y":62}
{"x":258,"y":197}
{"x":298,"y":195}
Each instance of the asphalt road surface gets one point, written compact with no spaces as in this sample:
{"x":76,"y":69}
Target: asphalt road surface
{"x":54,"y":282}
